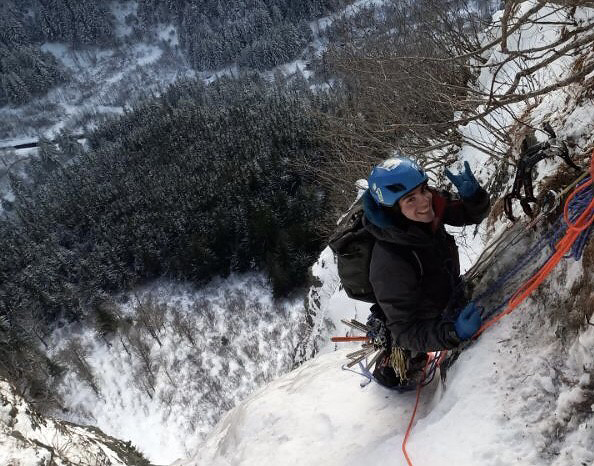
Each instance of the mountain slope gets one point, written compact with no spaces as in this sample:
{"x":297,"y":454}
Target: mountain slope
{"x":26,"y":438}
{"x":519,"y":395}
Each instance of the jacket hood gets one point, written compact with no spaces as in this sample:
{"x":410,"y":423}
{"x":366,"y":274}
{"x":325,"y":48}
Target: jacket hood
{"x":391,"y":228}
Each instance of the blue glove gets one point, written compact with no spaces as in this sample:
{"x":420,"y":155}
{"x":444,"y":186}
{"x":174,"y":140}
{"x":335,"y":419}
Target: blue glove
{"x":464,"y":182}
{"x":468,"y":322}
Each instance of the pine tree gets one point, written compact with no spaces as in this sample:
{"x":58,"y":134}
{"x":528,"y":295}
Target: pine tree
{"x":12,"y":30}
{"x":26,"y":72}
{"x":76,"y":21}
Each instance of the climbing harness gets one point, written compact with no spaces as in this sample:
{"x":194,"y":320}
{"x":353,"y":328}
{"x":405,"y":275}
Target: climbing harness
{"x":529,"y":157}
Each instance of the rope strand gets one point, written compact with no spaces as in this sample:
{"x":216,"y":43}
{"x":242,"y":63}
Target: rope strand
{"x":577,"y":221}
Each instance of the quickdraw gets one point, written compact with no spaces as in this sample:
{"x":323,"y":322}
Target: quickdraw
{"x":529,"y":157}
{"x":377,"y":349}
{"x":373,"y":346}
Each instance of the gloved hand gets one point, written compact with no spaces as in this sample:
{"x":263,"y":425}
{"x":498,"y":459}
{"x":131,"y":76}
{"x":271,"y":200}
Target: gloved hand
{"x":465,"y":182}
{"x":468,"y":322}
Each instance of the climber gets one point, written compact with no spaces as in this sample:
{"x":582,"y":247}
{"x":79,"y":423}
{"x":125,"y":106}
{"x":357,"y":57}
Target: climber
{"x":414,"y":269}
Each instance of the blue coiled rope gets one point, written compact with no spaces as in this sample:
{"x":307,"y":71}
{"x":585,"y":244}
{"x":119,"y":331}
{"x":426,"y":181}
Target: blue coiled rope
{"x":576,"y":208}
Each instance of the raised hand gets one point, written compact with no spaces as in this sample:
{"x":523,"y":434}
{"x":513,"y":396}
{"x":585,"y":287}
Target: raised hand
{"x":465,"y":182}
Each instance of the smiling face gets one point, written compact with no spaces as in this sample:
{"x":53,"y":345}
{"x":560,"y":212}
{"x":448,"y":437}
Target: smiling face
{"x":417,"y":205}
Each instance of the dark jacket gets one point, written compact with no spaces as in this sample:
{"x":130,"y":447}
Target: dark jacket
{"x":415,"y":269}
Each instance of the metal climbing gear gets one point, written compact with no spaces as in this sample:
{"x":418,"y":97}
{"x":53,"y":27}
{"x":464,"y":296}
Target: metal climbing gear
{"x":399,"y":362}
{"x":371,"y":350}
{"x":529,"y":157}
{"x":378,"y":351}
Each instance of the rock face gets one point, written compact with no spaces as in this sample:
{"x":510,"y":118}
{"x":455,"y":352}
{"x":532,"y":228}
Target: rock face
{"x":29,"y":439}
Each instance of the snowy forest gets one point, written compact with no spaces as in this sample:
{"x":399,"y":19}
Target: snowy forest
{"x":212,"y":34}
{"x":189,"y":161}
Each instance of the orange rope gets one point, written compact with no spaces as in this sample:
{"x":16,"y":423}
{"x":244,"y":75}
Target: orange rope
{"x":561,"y":248}
{"x":441,"y":358}
{"x":343,"y":339}
{"x":412,"y":418}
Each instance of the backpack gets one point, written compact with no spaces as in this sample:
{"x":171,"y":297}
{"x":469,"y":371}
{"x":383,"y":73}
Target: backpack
{"x":353,"y":245}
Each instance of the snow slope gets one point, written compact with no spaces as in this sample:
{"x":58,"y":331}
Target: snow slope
{"x":502,"y":404}
{"x":27,"y":439}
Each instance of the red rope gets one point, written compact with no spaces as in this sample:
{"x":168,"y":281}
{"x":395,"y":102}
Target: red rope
{"x":442,"y":356}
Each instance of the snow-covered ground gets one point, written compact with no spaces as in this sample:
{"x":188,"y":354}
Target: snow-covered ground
{"x":169,"y":375}
{"x":27,"y":439}
{"x":504,"y":403}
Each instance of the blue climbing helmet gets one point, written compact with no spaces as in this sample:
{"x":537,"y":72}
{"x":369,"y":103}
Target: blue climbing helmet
{"x":393,"y":178}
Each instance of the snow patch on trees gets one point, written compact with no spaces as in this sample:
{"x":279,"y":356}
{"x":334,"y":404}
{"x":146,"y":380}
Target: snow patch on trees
{"x":181,"y":357}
